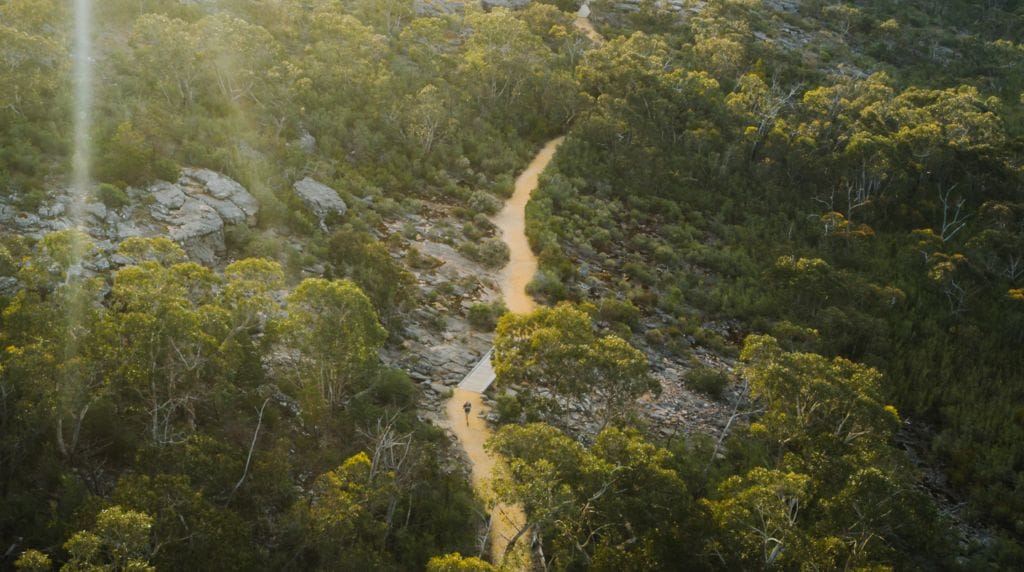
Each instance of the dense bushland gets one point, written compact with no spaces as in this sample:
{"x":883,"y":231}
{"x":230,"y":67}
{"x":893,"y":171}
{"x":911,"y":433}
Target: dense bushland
{"x":873,"y":217}
{"x":841,"y":180}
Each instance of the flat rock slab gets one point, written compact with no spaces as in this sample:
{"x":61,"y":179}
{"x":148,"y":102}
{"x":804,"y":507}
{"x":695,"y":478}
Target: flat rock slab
{"x":320,"y":199}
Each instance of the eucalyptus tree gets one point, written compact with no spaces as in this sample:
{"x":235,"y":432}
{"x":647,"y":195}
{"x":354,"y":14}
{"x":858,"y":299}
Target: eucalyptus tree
{"x":334,"y":333}
{"x":557,"y":350}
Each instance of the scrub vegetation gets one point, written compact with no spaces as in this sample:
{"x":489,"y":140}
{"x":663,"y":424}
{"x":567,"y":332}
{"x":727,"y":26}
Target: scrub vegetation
{"x":826,"y":196}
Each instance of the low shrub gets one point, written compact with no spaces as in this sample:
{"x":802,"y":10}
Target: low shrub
{"x":490,"y":252}
{"x":708,"y":381}
{"x":30,"y":201}
{"x":616,"y":311}
{"x":509,"y":408}
{"x":547,"y":287}
{"x":111,"y":196}
{"x":415,"y":259}
{"x":483,"y":202}
{"x":484,"y":316}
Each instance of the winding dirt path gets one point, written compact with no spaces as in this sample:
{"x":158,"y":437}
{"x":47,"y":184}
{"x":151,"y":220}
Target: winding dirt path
{"x":472,"y":431}
{"x":506,"y":520}
{"x":511,"y":223}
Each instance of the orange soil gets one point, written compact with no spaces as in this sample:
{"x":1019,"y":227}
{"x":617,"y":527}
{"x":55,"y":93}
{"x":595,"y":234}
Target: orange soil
{"x":506,"y":520}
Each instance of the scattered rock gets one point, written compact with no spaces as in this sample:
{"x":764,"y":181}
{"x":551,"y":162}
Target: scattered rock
{"x":127,"y":229}
{"x":510,"y":4}
{"x":193,"y":212}
{"x":26,"y":221}
{"x":52,"y":211}
{"x":229,"y":198}
{"x":120,"y":260}
{"x":7,"y":213}
{"x":196,"y":209}
{"x":438,"y":388}
{"x":96,"y":210}
{"x":320,"y":199}
{"x":168,"y":196}
{"x":198,"y":229}
{"x":306,"y":142}
{"x":791,"y":6}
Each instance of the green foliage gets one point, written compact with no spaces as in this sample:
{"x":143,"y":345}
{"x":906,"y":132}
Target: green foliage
{"x":851,"y":217}
{"x":340,"y":518}
{"x":586,"y":504}
{"x":564,"y":5}
{"x":556,"y":349}
{"x":482,"y":202}
{"x":129,"y":157}
{"x":484,"y":316}
{"x":757,"y":516}
{"x":33,"y":561}
{"x":167,"y":378}
{"x":821,"y":499}
{"x":548,"y":287}
{"x":366,"y":262}
{"x":204,"y":534}
{"x":710,"y":173}
{"x":615,"y":311}
{"x":167,"y":372}
{"x":35,"y":63}
{"x":414,"y":259}
{"x":509,"y":408}
{"x":707,"y":380}
{"x":490,"y":252}
{"x":836,"y":402}
{"x":456,"y":562}
{"x":112,"y":197}
{"x":503,"y":186}
{"x":31,"y":200}
{"x":334,"y":328}
{"x":120,"y":540}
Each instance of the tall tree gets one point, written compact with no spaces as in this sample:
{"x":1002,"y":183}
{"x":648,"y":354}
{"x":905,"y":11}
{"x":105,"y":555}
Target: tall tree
{"x":556,"y":349}
{"x":335,"y":334}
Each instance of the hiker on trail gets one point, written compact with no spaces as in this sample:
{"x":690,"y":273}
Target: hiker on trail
{"x":467,"y":406}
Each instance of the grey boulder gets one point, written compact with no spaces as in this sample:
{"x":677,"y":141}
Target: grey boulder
{"x":320,"y":199}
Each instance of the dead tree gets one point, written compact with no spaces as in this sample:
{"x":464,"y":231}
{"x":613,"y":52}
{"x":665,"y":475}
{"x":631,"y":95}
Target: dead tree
{"x":252,"y":448}
{"x":954,"y":219}
{"x":389,"y":454}
{"x":738,"y":412}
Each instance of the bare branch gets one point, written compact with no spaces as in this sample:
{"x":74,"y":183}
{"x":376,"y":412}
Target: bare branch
{"x":953,"y":218}
{"x":252,"y":447}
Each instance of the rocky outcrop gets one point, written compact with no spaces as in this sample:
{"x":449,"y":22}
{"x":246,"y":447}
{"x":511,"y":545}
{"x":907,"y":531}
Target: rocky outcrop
{"x":232,"y":202}
{"x":196,"y":209}
{"x":192,"y":223}
{"x":430,"y":8}
{"x":510,"y":4}
{"x":47,"y":219}
{"x":192,"y":211}
{"x":675,"y":6}
{"x":320,"y":199}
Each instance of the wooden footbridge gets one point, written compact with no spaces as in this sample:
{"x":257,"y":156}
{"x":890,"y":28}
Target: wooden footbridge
{"x":481,"y":376}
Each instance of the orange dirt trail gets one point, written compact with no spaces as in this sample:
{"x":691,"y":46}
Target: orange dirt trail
{"x":511,"y":223}
{"x":506,"y":520}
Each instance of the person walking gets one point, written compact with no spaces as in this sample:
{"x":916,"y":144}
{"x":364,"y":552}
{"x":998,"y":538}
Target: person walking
{"x":467,"y":407}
